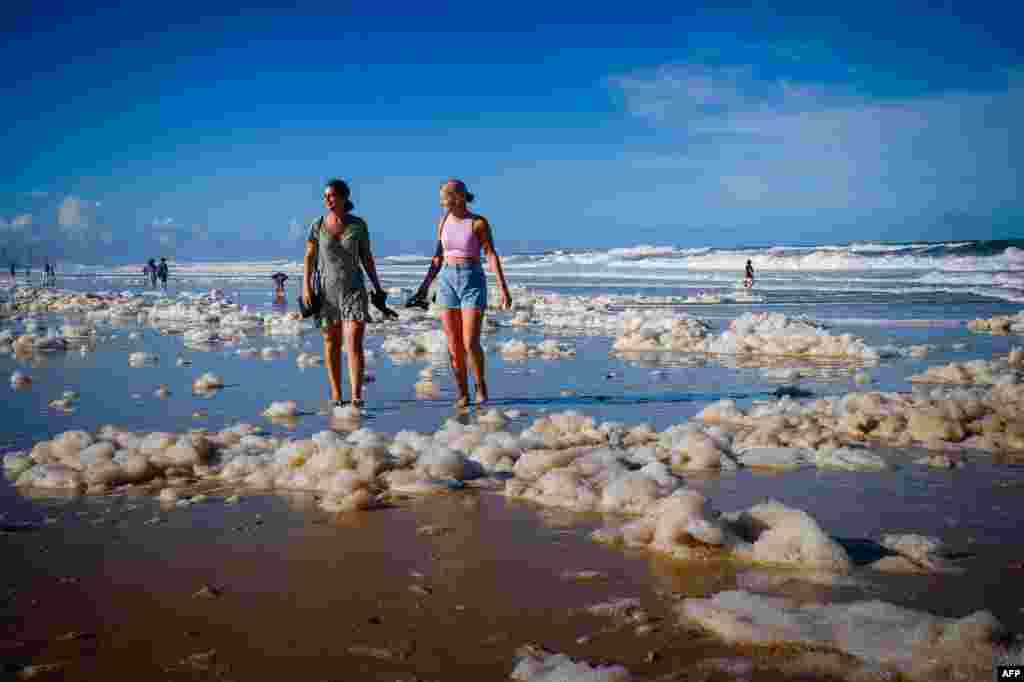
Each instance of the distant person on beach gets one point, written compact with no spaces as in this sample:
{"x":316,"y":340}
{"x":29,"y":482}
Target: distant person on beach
{"x":340,"y":243}
{"x":748,"y":280}
{"x":150,"y":272}
{"x":13,"y":275}
{"x":162,"y":272}
{"x":462,"y":292}
{"x":279,"y":279}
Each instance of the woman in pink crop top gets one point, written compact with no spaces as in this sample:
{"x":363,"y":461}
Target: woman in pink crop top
{"x":462,"y":291}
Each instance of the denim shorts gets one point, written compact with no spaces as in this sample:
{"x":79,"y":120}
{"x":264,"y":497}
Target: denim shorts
{"x":462,"y":286}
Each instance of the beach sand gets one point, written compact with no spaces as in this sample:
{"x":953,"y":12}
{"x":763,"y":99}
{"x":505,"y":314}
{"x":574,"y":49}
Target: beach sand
{"x":447,"y":587}
{"x":105,"y":593}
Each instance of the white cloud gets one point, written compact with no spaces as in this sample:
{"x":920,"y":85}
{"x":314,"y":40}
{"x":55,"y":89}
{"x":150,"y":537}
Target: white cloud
{"x":77,"y":218}
{"x":747,"y":147}
{"x":70,"y":212}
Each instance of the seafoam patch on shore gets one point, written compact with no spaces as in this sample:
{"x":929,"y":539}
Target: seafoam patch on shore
{"x":536,"y":664}
{"x":942,"y":419}
{"x":999,"y":324}
{"x":998,"y":371}
{"x":911,"y":642}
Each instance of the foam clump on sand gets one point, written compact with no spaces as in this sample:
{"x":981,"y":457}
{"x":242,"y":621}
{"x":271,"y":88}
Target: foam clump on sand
{"x":289,"y":324}
{"x":536,"y":664}
{"x":914,"y":554}
{"x":941,"y":419}
{"x":656,"y":331}
{"x":282,"y":408}
{"x":549,"y":348}
{"x":207,"y":382}
{"x":16,"y":463}
{"x":692,"y":446}
{"x":684,"y":527}
{"x":1004,"y":370}
{"x":200,"y":337}
{"x":426,"y":343}
{"x":308,"y":360}
{"x":999,"y":324}
{"x":77,"y":331}
{"x":751,"y":334}
{"x":914,"y":643}
{"x":141,"y":359}
{"x":777,"y":334}
{"x":596,"y":481}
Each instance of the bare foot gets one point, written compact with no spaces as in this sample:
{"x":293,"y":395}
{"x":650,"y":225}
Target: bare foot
{"x":461,"y":402}
{"x":357,"y":402}
{"x":481,"y":399}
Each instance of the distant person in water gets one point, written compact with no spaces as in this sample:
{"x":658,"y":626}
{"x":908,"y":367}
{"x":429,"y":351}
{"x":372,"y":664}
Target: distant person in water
{"x":161,"y":272}
{"x":13,"y":274}
{"x":279,"y":279}
{"x":462,"y":291}
{"x":748,"y":280}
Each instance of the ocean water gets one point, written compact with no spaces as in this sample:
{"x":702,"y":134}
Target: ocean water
{"x":889,"y":295}
{"x":858,"y":274}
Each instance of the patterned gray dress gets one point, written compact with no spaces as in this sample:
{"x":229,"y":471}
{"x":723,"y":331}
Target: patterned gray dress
{"x":340,"y":260}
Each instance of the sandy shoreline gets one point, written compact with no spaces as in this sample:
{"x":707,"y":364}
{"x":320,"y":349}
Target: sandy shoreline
{"x":450,"y":585}
{"x":433,"y":589}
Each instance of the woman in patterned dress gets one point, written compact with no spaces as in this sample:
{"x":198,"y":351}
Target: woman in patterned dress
{"x":340,"y":242}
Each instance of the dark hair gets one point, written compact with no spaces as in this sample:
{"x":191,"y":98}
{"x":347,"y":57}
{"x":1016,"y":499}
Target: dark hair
{"x":460,"y":186}
{"x":341,"y":187}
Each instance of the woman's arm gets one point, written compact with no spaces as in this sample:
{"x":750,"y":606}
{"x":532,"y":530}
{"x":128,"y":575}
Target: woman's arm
{"x":307,"y":271}
{"x":435,"y":264}
{"x":483,"y":230}
{"x":435,"y":267}
{"x":366,"y":257}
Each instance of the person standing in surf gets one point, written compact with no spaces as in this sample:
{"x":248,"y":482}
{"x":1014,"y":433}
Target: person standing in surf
{"x":162,"y":272}
{"x":748,"y":280}
{"x":340,"y":242}
{"x":279,"y":279}
{"x":149,"y":272}
{"x":462,"y":290}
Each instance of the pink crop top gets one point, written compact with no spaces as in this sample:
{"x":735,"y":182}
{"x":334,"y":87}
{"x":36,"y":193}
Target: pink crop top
{"x":458,"y":238}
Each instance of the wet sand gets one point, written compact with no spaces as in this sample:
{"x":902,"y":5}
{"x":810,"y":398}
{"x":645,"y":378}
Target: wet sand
{"x":444,"y":588}
{"x":354,"y":596}
{"x":102,"y":589}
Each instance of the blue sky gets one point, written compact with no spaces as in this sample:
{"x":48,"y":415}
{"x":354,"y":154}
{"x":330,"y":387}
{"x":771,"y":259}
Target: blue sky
{"x":206,"y":131}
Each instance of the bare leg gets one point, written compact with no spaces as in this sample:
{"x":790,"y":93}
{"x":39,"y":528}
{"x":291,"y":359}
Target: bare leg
{"x":332,"y":354}
{"x":472,"y":322}
{"x":451,"y":320}
{"x":354,"y":332}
